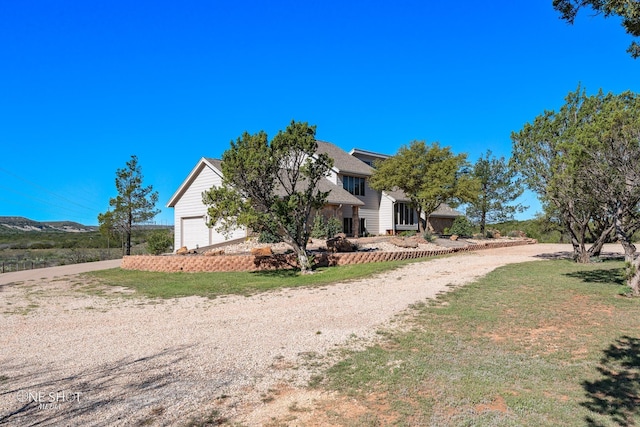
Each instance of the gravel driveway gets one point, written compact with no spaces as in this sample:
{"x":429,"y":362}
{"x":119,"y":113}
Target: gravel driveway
{"x":68,"y":357}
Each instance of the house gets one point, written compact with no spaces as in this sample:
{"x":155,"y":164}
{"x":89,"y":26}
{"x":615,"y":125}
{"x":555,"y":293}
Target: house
{"x":361,"y":209}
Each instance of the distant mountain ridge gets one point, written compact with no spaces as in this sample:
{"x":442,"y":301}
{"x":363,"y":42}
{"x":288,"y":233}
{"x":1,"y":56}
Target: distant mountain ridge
{"x":19,"y":223}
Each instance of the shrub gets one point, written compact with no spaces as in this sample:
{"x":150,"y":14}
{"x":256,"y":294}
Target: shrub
{"x":334,"y":226}
{"x":429,"y":236}
{"x":407,"y":233}
{"x":159,"y":241}
{"x":319,"y":228}
{"x":461,"y":226}
{"x":325,"y":229}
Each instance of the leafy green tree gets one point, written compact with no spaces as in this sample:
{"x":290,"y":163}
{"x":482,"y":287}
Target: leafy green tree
{"x":614,"y":155}
{"x":159,"y":241}
{"x":499,"y":186}
{"x":429,"y":175}
{"x":134,"y":203}
{"x":627,"y":10}
{"x":272,"y":186}
{"x":550,"y":155}
{"x":107,"y":228}
{"x":461,"y":226}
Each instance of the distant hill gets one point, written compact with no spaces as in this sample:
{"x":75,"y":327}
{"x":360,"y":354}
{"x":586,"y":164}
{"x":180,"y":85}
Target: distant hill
{"x":18,"y":223}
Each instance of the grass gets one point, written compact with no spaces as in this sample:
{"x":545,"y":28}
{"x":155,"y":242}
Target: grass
{"x":543,"y":343}
{"x":211,"y":285}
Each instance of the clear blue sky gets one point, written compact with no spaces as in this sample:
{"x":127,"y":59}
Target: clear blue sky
{"x":86,"y":84}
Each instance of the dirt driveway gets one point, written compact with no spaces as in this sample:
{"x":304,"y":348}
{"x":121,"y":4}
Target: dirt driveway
{"x":68,"y":357}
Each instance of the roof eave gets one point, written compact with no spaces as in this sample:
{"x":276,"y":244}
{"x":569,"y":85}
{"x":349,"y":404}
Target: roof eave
{"x":189,"y":180}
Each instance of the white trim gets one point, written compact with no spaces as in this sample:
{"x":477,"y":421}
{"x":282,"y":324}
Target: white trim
{"x":189,"y":180}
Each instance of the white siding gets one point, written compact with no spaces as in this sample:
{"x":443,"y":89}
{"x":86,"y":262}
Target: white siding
{"x":385,"y":215}
{"x":370,"y":209}
{"x":190,"y":210}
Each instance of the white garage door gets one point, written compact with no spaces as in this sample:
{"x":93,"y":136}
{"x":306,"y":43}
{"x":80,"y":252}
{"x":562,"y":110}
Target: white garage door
{"x":195,"y":233}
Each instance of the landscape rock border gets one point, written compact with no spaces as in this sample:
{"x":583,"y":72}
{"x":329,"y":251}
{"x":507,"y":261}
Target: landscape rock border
{"x":249,"y":262}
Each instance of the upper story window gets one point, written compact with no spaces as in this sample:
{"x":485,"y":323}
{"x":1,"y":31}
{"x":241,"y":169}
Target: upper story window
{"x":353,"y":184}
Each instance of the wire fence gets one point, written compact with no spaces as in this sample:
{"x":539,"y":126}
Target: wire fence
{"x":12,"y":265}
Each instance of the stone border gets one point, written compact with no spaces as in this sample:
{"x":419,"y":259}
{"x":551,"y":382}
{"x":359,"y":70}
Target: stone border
{"x":234,"y":263}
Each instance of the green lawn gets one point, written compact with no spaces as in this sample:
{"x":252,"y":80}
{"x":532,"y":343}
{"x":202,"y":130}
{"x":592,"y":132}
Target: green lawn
{"x":211,"y":285}
{"x":535,"y":344}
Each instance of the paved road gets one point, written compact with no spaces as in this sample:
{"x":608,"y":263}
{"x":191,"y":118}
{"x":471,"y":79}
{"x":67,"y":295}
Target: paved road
{"x":62,"y":270}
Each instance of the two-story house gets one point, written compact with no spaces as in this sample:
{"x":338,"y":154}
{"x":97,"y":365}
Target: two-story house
{"x":362,"y":210}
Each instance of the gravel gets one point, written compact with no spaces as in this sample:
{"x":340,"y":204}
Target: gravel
{"x":117,"y":360}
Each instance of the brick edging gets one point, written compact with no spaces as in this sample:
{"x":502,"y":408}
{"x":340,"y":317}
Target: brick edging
{"x":228,"y":263}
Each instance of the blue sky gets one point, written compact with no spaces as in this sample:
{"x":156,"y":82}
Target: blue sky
{"x":86,"y":84}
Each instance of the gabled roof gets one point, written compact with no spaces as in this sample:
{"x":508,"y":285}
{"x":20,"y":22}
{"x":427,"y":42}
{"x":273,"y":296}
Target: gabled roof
{"x":343,"y":162}
{"x":356,"y":151}
{"x":214,"y":164}
{"x":337,"y":195}
{"x":446,"y":211}
{"x":397,"y":195}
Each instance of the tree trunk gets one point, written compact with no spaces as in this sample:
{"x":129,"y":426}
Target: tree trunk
{"x":596,"y":248}
{"x":304,"y":261}
{"x":629,"y":251}
{"x":421,"y":227}
{"x":128,"y":244}
{"x":580,"y":253}
{"x":634,"y":280}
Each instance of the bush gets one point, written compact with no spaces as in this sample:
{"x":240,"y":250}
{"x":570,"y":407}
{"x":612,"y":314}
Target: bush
{"x":159,"y":241}
{"x":429,"y":236}
{"x":334,"y":226}
{"x":325,"y":229}
{"x":319,"y":228}
{"x":461,"y":226}
{"x":407,"y":233}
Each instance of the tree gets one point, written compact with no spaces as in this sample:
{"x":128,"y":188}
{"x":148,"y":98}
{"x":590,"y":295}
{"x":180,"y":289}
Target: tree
{"x":583,"y":160}
{"x":498,"y":187}
{"x":614,"y":155}
{"x":272,"y":186}
{"x":159,"y":241}
{"x":134,"y":203}
{"x":628,"y":10}
{"x":428,"y":175}
{"x":107,"y":228}
{"x":549,"y":153}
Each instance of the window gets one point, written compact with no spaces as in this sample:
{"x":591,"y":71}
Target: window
{"x":348,"y":226}
{"x":353,"y":184}
{"x":404,"y":214}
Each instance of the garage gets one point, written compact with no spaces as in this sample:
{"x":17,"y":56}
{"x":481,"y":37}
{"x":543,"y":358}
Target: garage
{"x":195,"y":233}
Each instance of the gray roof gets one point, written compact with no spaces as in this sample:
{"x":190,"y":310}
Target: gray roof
{"x":217,"y":163}
{"x":444,"y":210}
{"x":337,"y":194}
{"x":398,"y":195}
{"x":343,"y":162}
